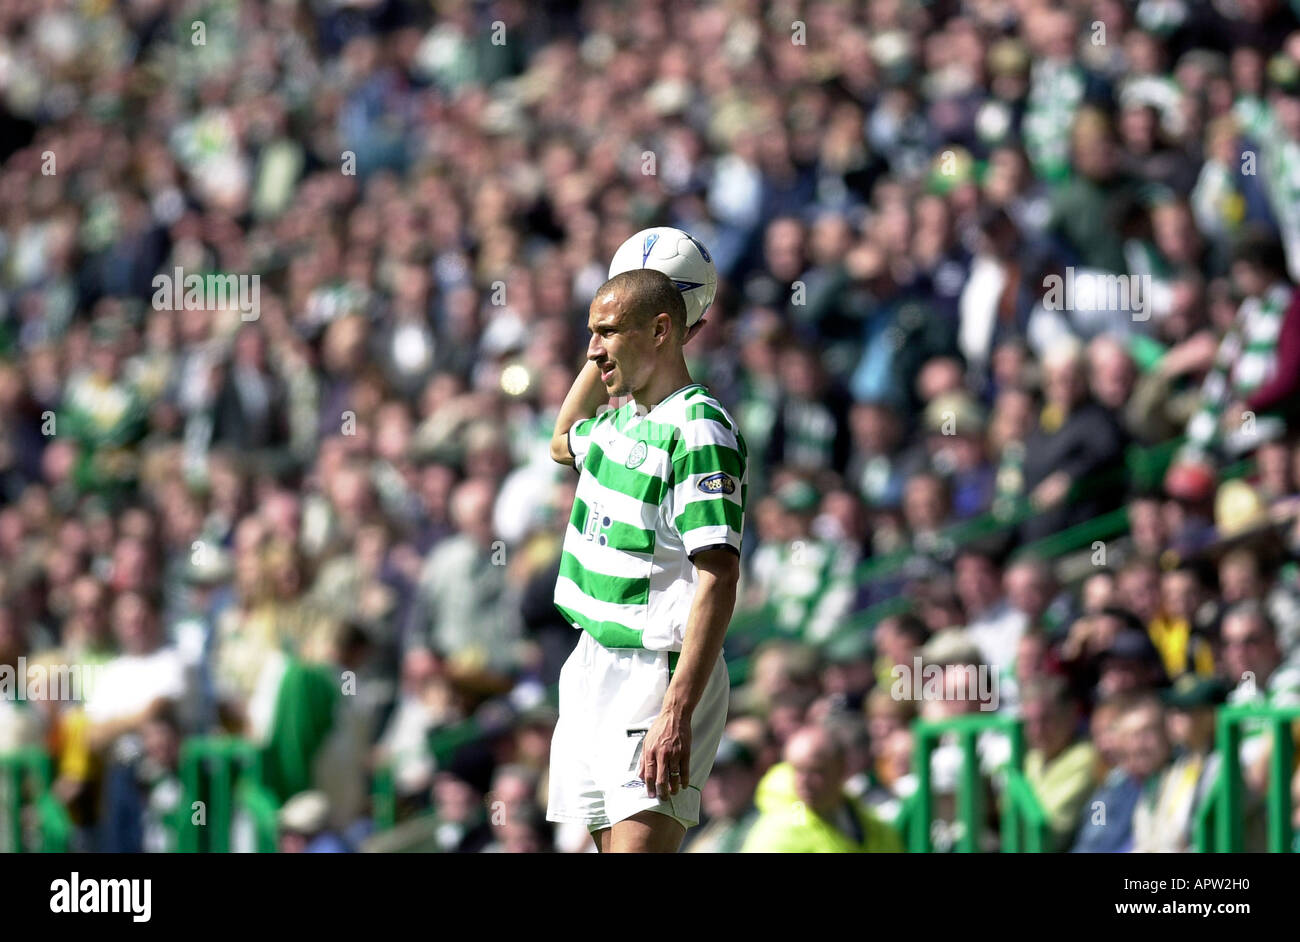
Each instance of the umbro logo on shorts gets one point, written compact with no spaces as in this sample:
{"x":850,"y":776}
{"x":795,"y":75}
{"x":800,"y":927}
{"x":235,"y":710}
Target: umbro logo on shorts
{"x":636,"y":783}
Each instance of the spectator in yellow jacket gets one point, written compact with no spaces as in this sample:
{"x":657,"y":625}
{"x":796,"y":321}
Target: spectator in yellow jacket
{"x":803,"y":808}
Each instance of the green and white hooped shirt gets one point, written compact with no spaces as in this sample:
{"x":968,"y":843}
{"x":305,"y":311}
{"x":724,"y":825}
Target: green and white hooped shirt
{"x":656,"y":487}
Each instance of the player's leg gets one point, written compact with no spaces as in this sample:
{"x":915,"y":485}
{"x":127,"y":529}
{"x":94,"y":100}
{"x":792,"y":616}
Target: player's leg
{"x":602,"y":839}
{"x":573,"y":795}
{"x":642,"y":823}
{"x":647,"y":832}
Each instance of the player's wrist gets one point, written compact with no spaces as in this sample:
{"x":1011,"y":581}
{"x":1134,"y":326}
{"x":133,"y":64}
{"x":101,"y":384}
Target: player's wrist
{"x":677,"y":707}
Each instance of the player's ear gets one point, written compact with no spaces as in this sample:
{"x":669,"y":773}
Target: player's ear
{"x":663,"y":326}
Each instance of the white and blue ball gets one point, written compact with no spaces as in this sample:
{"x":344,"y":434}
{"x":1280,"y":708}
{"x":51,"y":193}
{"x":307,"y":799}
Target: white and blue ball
{"x":680,"y":256}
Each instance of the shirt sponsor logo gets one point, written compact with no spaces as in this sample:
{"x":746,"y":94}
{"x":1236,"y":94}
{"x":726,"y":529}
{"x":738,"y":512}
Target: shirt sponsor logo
{"x":637,"y":455}
{"x":720,"y":483}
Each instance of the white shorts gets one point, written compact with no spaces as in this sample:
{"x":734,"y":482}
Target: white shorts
{"x":609,"y":698}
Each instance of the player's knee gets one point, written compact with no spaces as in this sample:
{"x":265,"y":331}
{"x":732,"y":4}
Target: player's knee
{"x":647,"y":832}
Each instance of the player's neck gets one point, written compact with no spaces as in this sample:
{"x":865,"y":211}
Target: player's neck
{"x":662,"y":384}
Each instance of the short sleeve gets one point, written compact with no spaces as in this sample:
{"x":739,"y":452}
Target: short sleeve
{"x":710,"y":481}
{"x":580,"y":439}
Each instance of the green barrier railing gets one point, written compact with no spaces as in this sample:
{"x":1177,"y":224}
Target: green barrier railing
{"x":1024,"y":825}
{"x":1219,"y":825}
{"x":383,"y":797}
{"x":31,"y":770}
{"x":225,"y":774}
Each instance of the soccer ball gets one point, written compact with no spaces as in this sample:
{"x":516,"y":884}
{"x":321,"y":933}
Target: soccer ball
{"x":680,"y":256}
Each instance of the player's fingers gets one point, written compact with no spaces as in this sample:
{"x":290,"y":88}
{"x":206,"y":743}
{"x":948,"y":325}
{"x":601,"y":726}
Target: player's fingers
{"x":648,"y":771}
{"x":674,"y":763}
{"x":685,"y":765}
{"x":663,"y":768}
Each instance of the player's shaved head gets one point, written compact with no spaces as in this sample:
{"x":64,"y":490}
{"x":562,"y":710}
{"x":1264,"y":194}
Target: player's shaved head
{"x":644,"y":293}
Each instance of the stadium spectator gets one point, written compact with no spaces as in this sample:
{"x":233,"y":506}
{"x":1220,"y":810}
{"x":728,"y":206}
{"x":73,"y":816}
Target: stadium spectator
{"x":993,"y":623}
{"x":461,"y":606}
{"x":1163,"y":819}
{"x":1074,"y":438}
{"x":803,"y":807}
{"x":1059,"y":766}
{"x":728,"y":803}
{"x":1143,"y":745}
{"x":1253,"y":665}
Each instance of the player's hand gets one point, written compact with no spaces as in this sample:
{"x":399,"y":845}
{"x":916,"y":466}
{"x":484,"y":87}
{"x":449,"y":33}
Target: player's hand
{"x":665,"y":750}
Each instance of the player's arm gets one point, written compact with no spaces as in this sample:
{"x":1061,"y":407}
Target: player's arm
{"x":706,"y":626}
{"x":586,"y":395}
{"x":707,"y":509}
{"x":668,"y":743}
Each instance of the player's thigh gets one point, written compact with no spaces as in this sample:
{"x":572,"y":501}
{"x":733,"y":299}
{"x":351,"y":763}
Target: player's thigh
{"x":647,"y":832}
{"x":602,"y":839}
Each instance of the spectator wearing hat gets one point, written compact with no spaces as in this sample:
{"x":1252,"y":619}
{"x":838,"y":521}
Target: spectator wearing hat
{"x":954,"y":426}
{"x":1163,"y":818}
{"x":803,"y":808}
{"x":849,"y":670}
{"x":1130,"y":664}
{"x":1060,"y":767}
{"x":1188,"y":512}
{"x":727,"y":802}
{"x":304,"y":826}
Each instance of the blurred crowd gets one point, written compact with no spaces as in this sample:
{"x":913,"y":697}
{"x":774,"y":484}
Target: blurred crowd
{"x":332,"y":528}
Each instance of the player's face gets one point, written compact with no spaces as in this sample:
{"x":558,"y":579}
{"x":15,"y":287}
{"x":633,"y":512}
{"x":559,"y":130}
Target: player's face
{"x":620,"y":346}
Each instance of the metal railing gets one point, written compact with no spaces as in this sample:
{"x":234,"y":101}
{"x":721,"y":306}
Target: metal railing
{"x":221,"y":777}
{"x":1023,"y":823}
{"x":27,"y":778}
{"x":1220,"y":823}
